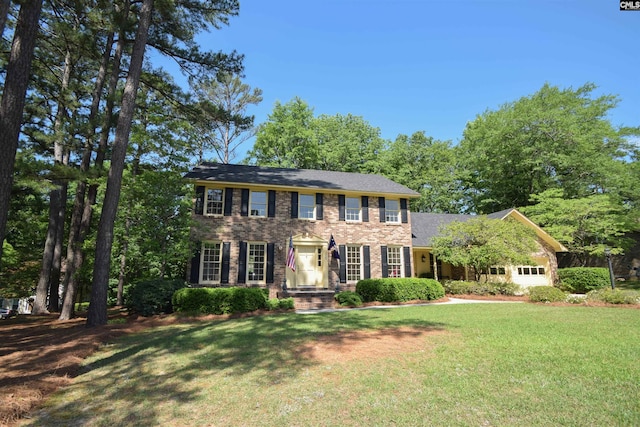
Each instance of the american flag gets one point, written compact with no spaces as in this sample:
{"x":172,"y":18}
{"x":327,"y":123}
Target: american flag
{"x":291,"y":258}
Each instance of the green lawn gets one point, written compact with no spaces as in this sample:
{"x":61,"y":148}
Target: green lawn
{"x":481,"y":365}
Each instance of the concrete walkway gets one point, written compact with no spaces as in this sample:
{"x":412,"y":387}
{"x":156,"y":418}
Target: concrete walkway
{"x":450,"y":301}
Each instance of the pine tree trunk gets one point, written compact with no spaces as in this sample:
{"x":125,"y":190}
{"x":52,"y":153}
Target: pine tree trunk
{"x":4,"y":13}
{"x":97,"y":314}
{"x":83,"y":207}
{"x":13,"y":98}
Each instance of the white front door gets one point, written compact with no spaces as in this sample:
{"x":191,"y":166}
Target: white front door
{"x":308,"y":273}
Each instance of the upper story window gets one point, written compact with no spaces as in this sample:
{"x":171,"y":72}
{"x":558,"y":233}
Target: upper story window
{"x":392,"y":211}
{"x":214,"y":202}
{"x":394,"y":261}
{"x":258,"y":203}
{"x":307,"y":206}
{"x":353,"y":209}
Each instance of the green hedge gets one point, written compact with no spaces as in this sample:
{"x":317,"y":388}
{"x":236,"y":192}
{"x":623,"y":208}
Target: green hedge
{"x":614,"y":296}
{"x":280,"y":304}
{"x":460,"y":287}
{"x":580,"y":280}
{"x":154,"y":296}
{"x":348,"y":299}
{"x":218,"y":300}
{"x":399,"y":289}
{"x":546,"y":294}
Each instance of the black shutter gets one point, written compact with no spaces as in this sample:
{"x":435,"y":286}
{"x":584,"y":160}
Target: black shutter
{"x":407,"y":261}
{"x":383,"y":212}
{"x":385,"y":264}
{"x":366,"y":257}
{"x":365,"y":209}
{"x":271,"y":205}
{"x":342,"y":250}
{"x":404,"y":211}
{"x":244,"y":202}
{"x":199,"y":199}
{"x":341,"y":207}
{"x":270,"y":261}
{"x":228,"y":201}
{"x":294,"y":204}
{"x":194,"y":276}
{"x":226,"y":259}
{"x":242,"y":263}
{"x":319,"y":209}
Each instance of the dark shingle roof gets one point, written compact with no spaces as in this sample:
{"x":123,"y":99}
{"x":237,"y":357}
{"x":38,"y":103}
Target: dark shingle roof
{"x":425,"y":226}
{"x":298,"y":178}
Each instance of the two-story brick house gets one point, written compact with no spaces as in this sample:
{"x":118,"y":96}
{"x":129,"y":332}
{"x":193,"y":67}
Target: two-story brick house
{"x":247,"y":216}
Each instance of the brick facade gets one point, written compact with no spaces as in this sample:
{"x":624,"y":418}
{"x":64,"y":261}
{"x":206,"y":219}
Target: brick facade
{"x":235,"y":228}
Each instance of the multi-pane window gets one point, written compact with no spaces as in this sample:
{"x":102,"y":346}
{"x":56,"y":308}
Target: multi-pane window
{"x":256,"y":262}
{"x":258,"y":203}
{"x":215,"y":197}
{"x":497,"y":270}
{"x":352,"y":209}
{"x":394,"y":261}
{"x":354,"y":263}
{"x":392,"y":211}
{"x":307,"y":206}
{"x":210,"y":262}
{"x":525,"y":271}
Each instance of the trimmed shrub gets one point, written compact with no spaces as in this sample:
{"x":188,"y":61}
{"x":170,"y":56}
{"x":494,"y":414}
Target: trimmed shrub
{"x":399,"y":289}
{"x":614,"y":296}
{"x":280,"y":304}
{"x":286,"y":304}
{"x":154,"y":296}
{"x":460,"y":287}
{"x":546,"y":294}
{"x":348,"y":298}
{"x":219,"y":300}
{"x":580,"y":280}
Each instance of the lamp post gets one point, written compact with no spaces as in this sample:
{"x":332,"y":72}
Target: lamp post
{"x":607,"y":254}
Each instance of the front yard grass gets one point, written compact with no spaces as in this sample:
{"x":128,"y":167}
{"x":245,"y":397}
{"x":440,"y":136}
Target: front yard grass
{"x":471,"y":364}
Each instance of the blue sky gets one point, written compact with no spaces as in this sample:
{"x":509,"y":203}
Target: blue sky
{"x":431,"y":65}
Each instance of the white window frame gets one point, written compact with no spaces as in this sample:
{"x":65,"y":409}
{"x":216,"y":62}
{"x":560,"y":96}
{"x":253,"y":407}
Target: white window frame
{"x":207,"y":201}
{"x":210,"y":259}
{"x":527,"y":270}
{"x":350,"y":212}
{"x":251,"y":263}
{"x":497,"y":271}
{"x":392,"y":214}
{"x":394,"y":260}
{"x":310,"y":206}
{"x":261,"y":208}
{"x":354,"y":266}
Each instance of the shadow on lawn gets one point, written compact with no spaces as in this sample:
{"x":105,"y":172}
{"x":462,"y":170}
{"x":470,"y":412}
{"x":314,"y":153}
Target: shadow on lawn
{"x":135,"y":382}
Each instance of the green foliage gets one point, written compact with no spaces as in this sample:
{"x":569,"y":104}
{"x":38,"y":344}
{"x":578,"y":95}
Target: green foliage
{"x":584,"y":225}
{"x":292,"y":137}
{"x":482,"y":243}
{"x":614,"y":296}
{"x":581,"y":280}
{"x":429,"y":167}
{"x":219,"y":300}
{"x":461,"y":287}
{"x":348,"y":298}
{"x":148,"y":297}
{"x":546,"y":294}
{"x":555,"y":138}
{"x":286,"y":303}
{"x":399,"y":289}
{"x":280,"y":304}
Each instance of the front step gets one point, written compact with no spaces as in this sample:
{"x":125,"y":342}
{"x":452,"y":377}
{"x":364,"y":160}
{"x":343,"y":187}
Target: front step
{"x":309,"y":299}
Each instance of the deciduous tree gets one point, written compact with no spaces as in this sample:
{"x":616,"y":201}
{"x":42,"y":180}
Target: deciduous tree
{"x":481,"y":243}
